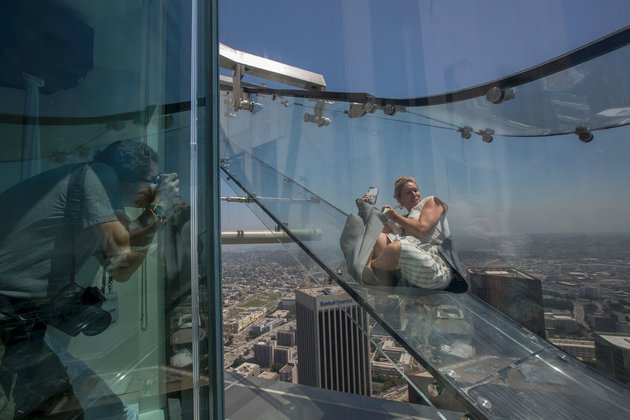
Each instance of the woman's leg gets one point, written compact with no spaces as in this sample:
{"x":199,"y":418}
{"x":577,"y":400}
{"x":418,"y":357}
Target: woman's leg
{"x":381,"y":271}
{"x":381,"y":243}
{"x":388,"y":258}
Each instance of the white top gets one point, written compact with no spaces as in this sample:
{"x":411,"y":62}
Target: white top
{"x":439,"y":234}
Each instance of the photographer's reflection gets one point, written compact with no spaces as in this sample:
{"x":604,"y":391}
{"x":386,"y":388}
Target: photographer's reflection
{"x":52,"y":224}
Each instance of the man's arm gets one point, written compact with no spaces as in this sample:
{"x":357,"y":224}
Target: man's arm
{"x":125,"y":248}
{"x":125,"y":243}
{"x":432,"y":210}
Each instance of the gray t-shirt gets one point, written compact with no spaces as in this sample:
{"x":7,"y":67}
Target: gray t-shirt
{"x":35,"y":239}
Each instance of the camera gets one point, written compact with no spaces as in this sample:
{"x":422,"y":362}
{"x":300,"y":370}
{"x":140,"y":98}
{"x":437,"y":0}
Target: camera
{"x":373,"y":194}
{"x":79,"y":310}
{"x":159,"y":178}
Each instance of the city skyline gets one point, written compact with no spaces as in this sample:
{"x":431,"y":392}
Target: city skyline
{"x":601,"y":277}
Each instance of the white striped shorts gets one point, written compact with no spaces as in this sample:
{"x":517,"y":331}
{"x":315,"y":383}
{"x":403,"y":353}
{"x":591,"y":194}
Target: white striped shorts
{"x":421,"y":264}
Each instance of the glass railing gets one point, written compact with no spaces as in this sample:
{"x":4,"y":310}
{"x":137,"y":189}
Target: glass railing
{"x":78,"y":78}
{"x":523,"y":203}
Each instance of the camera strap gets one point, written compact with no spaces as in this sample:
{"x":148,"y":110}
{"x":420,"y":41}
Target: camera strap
{"x":74,"y":200}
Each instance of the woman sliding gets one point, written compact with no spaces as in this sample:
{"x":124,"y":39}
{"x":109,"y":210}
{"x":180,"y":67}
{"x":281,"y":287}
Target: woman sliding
{"x":407,"y":251}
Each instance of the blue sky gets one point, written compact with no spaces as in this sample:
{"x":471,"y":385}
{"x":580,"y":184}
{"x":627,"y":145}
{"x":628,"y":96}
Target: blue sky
{"x":415,"y":48}
{"x":403,"y":48}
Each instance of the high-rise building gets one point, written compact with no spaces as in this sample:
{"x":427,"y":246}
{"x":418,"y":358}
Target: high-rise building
{"x":590,"y":292}
{"x":602,"y":322}
{"x":288,"y":373}
{"x":286,"y":338}
{"x":514,"y":293}
{"x":561,"y":322}
{"x":282,"y":355}
{"x":263,"y":353}
{"x":613,"y":355}
{"x":582,"y":349}
{"x":332,"y":342}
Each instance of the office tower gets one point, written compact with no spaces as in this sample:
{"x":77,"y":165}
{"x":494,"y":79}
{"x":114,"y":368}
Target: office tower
{"x":590,"y":292}
{"x":581,"y":349}
{"x":263,"y":353}
{"x":288,"y":373}
{"x":514,"y":293}
{"x":602,"y":322}
{"x":613,"y":355}
{"x":288,"y":304}
{"x":332,"y":344}
{"x":286,"y":338}
{"x":561,"y":322}
{"x":282,"y":355}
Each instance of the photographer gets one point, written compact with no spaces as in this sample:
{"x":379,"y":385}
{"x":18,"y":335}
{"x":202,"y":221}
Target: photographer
{"x":51,"y":225}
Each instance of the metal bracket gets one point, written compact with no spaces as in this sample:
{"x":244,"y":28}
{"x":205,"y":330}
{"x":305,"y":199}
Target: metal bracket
{"x":465,"y":132}
{"x":496,"y":95}
{"x":435,"y":389}
{"x":391,"y":109}
{"x":357,"y":109}
{"x":317,"y":117}
{"x":584,"y":133}
{"x":239,"y":99}
{"x":487,"y":135}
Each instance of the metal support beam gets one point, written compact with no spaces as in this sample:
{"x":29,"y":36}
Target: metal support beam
{"x":267,"y":69}
{"x":241,"y":237}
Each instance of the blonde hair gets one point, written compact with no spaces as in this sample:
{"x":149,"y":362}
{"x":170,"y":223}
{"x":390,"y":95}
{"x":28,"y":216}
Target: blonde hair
{"x":399,"y":183}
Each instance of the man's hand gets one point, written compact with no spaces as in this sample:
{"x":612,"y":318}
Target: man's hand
{"x":167,"y":194}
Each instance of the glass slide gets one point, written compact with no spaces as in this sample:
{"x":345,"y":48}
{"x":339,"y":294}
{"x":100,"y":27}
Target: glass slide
{"x":304,"y":161}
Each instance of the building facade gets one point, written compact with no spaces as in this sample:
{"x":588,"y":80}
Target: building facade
{"x":613,"y":355}
{"x":332,"y":344}
{"x":286,"y":338}
{"x":516,"y":294}
{"x":582,"y":349}
{"x":282,"y":355}
{"x":264,"y":352}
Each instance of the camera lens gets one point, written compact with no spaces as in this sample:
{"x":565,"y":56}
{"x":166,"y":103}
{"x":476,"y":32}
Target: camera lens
{"x":93,"y":320}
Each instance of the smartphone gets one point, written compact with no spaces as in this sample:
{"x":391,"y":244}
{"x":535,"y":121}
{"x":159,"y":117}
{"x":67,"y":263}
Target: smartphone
{"x":373,"y":193}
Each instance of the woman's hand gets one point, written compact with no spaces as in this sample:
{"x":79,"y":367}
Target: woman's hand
{"x":367,"y":198}
{"x":389,"y":212}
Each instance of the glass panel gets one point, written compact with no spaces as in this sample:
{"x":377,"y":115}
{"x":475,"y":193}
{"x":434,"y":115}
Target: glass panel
{"x":500,"y":198}
{"x":580,"y":97}
{"x":95,"y":260}
{"x":551,"y":375}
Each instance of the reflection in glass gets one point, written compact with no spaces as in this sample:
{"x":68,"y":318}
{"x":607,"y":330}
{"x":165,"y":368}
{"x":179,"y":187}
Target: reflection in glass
{"x":95,"y":296}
